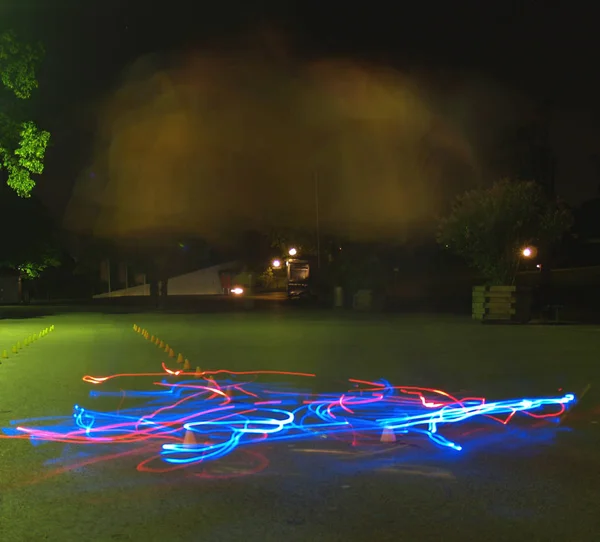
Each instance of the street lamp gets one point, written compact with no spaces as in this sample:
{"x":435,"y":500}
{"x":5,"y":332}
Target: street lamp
{"x":292,"y":251}
{"x":529,"y":252}
{"x":276,"y":264}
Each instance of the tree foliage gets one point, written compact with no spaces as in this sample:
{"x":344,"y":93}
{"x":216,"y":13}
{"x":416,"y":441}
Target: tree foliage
{"x":22,"y":143}
{"x":305,"y":242}
{"x":29,"y":244}
{"x":358,"y":266}
{"x":489,"y":227}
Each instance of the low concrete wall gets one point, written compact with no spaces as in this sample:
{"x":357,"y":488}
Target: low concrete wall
{"x":134,"y":291}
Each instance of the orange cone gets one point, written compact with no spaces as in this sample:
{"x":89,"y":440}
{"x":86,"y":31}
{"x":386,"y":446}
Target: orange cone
{"x":135,"y":327}
{"x":186,"y":365}
{"x":198,"y":372}
{"x":179,"y":358}
{"x":388,"y":435}
{"x":189,"y":439}
{"x":171,"y":353}
{"x":161,"y":344}
{"x":152,"y":339}
{"x":167,"y":347}
{"x":5,"y":355}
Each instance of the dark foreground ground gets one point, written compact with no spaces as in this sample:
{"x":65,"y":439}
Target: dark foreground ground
{"x":510,"y":483}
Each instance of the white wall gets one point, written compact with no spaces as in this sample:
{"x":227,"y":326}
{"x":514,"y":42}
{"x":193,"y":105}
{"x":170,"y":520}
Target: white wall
{"x":201,"y":282}
{"x":141,"y":289}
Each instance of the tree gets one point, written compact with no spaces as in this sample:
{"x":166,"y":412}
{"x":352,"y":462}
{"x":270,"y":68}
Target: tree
{"x":22,"y":143}
{"x":305,"y":242}
{"x":30,"y":243}
{"x":358,"y":266}
{"x":489,"y":227}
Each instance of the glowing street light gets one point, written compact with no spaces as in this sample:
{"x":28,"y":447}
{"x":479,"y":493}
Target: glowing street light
{"x":527,"y":252}
{"x":292,"y":251}
{"x":276,"y":264}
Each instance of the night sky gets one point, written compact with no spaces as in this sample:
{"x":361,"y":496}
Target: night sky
{"x":544,"y":52}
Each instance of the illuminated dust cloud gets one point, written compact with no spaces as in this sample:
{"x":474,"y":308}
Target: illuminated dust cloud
{"x":213,"y":142}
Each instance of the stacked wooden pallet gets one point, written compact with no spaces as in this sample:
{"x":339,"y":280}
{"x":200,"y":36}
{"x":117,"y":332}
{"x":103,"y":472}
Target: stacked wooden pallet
{"x":501,"y":303}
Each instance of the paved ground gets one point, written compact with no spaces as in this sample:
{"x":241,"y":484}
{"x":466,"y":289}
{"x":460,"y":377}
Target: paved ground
{"x":516,"y":483}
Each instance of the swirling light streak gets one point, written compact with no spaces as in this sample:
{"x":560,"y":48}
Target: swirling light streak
{"x":240,"y":411}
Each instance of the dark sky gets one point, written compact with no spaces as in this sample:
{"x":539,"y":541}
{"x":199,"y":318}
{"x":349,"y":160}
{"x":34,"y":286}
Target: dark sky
{"x":543,"y":49}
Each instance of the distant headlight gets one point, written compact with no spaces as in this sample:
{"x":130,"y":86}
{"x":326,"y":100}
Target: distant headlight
{"x":237,"y":291}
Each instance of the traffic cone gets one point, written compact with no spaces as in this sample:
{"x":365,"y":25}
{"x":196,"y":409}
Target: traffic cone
{"x":15,"y":350}
{"x":4,"y":354}
{"x":26,"y":341}
{"x":198,"y":373}
{"x":179,"y":358}
{"x":167,"y":348}
{"x":52,"y":327}
{"x":171,"y":353}
{"x":135,"y":327}
{"x":186,"y":365}
{"x":211,"y":382}
{"x":161,"y":344}
{"x":18,"y":346}
{"x":189,"y":439}
{"x":31,"y":339}
{"x":388,"y":435}
{"x":152,"y":339}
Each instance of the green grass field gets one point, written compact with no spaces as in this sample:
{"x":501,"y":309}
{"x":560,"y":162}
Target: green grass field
{"x":111,"y":501}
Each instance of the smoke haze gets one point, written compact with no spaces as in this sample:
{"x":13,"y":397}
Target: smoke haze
{"x":207,"y":144}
